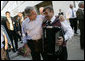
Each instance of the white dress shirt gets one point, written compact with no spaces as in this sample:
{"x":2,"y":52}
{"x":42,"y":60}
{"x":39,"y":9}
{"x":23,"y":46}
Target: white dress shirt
{"x":69,"y":13}
{"x":22,"y":18}
{"x":52,"y":19}
{"x":11,"y":24}
{"x":81,"y":8}
{"x":67,"y":29}
{"x":32,"y":28}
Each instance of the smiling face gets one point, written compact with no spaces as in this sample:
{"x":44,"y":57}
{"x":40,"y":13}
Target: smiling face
{"x":48,"y":14}
{"x":33,"y":15}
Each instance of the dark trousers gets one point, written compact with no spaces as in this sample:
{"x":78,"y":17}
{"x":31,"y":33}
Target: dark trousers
{"x":12,"y":35}
{"x":35,"y":49}
{"x":82,"y":38}
{"x":73,"y":23}
{"x":18,"y":35}
{"x":62,"y":56}
{"x":8,"y":54}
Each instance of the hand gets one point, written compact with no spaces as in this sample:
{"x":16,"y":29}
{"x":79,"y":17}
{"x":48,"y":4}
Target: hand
{"x":6,"y":47}
{"x":60,"y":41}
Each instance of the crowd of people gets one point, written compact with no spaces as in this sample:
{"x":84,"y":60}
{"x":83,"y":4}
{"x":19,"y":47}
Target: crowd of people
{"x":29,"y":30}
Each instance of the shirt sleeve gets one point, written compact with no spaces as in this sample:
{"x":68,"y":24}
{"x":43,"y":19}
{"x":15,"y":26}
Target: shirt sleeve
{"x":42,"y":17}
{"x":68,"y":14}
{"x":23,"y":33}
{"x":68,"y":30}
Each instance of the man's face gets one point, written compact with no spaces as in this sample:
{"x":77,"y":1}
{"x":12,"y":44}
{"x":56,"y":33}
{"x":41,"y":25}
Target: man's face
{"x":7,"y":15}
{"x":82,"y":5}
{"x":20,"y":14}
{"x":71,"y":6}
{"x":48,"y":14}
{"x":33,"y":15}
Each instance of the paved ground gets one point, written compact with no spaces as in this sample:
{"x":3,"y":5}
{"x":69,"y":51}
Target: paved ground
{"x":74,"y":51}
{"x":73,"y":46}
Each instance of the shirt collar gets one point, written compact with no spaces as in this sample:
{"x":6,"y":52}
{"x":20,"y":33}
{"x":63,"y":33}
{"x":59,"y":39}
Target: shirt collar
{"x":52,"y":19}
{"x":81,"y":8}
{"x":9,"y":18}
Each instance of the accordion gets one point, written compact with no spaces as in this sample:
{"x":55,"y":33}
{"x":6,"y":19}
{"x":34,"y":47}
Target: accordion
{"x":50,"y":35}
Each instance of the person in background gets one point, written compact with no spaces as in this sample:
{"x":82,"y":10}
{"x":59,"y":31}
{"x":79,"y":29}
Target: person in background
{"x":3,"y":27}
{"x":71,"y":15}
{"x":20,"y":17}
{"x":80,"y":17}
{"x":20,"y":20}
{"x":60,"y":12}
{"x":10,"y":23}
{"x":4,"y":46}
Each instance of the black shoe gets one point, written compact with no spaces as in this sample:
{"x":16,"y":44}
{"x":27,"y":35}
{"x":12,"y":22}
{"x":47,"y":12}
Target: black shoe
{"x":21,"y":41}
{"x":13,"y":50}
{"x":76,"y":33}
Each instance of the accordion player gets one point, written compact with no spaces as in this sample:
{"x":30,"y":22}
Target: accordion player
{"x":50,"y":35}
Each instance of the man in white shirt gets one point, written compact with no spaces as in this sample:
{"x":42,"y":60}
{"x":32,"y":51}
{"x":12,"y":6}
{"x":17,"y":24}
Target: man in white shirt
{"x":66,"y":26}
{"x":71,"y":15}
{"x":32,"y":32}
{"x":10,"y":23}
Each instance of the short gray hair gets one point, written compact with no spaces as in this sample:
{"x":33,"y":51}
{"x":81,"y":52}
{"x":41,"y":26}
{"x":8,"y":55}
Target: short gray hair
{"x":80,"y":3}
{"x":28,"y":10}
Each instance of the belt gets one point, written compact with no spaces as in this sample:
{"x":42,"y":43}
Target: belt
{"x":34,"y":40}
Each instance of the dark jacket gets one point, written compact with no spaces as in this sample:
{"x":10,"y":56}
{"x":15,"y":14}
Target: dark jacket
{"x":8,"y":24}
{"x":49,"y":41}
{"x":17,"y":24}
{"x":80,"y":17}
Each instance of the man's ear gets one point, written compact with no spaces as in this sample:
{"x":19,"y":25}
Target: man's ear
{"x":51,"y":11}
